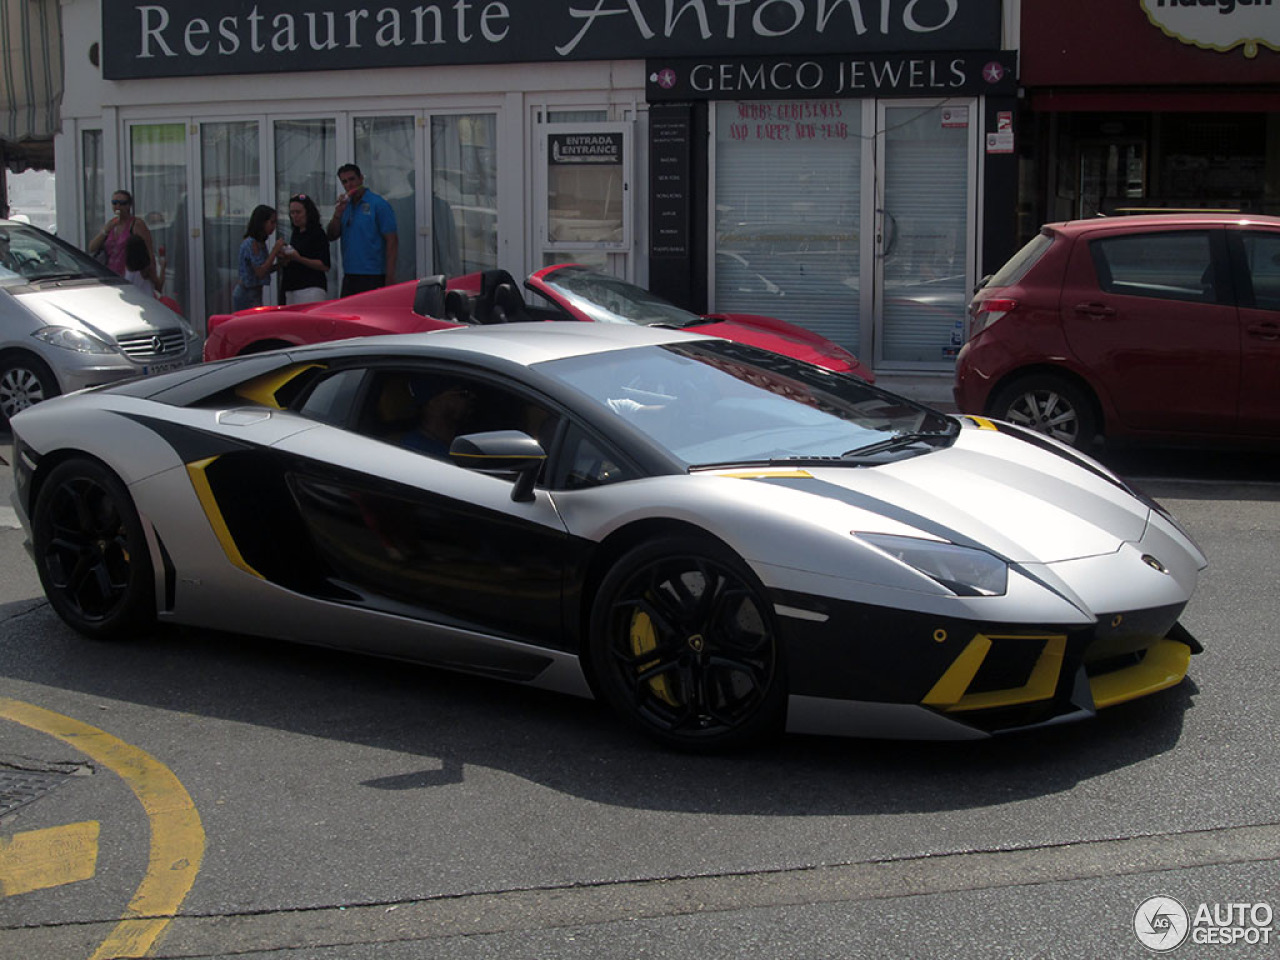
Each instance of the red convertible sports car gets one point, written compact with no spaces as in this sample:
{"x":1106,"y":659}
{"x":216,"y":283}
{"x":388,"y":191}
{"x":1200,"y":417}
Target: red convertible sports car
{"x":564,"y":292}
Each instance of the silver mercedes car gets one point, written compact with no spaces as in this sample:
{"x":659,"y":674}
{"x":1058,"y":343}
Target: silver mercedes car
{"x":67,"y":322}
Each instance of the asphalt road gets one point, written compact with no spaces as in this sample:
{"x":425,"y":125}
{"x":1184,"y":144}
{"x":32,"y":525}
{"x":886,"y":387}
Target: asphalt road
{"x":353,"y":808}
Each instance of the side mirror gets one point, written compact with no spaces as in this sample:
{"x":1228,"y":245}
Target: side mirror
{"x":501,"y":451}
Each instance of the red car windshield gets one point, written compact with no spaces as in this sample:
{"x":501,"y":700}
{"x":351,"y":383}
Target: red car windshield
{"x":606,"y":299}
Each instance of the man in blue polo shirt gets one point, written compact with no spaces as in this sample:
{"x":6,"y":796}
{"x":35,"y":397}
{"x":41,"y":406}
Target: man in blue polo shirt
{"x":367,"y":225}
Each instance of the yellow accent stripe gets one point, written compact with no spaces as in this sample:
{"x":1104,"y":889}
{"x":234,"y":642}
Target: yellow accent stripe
{"x":952,"y":684}
{"x":177,"y":836}
{"x":204,"y":492}
{"x":262,"y":390}
{"x":983,"y":423}
{"x":39,"y":859}
{"x":758,"y":474}
{"x":1163,"y":666}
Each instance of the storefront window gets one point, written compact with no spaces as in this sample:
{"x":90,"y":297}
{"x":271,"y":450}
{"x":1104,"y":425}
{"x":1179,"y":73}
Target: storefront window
{"x":306,"y":162}
{"x":158,"y":173}
{"x":229,"y":163}
{"x":464,"y":193}
{"x":92,"y":185}
{"x":385,"y":155}
{"x":787,"y":213}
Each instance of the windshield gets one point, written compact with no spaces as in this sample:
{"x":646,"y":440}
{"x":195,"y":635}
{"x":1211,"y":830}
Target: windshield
{"x":719,"y":402}
{"x":28,"y":255}
{"x":607,"y":299}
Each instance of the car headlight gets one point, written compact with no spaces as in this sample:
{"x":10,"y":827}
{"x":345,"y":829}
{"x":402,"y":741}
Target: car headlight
{"x":962,"y":570}
{"x":70,"y":338}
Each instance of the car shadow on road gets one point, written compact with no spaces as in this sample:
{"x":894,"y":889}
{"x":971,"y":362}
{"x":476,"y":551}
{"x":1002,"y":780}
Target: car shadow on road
{"x":575,"y":746}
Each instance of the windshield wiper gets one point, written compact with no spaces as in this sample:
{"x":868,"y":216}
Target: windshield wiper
{"x":811,"y":461}
{"x":55,"y":277}
{"x":898,"y":442}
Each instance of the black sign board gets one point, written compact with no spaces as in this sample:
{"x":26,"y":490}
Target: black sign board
{"x":575,"y":148}
{"x":670,"y":183}
{"x":178,"y":38}
{"x":965,"y":74}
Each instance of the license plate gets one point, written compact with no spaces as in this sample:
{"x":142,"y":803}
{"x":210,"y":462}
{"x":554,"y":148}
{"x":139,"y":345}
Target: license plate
{"x":154,"y":368}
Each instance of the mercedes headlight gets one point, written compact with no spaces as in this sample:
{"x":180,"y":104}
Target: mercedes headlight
{"x":965,"y":571}
{"x":69,"y":338}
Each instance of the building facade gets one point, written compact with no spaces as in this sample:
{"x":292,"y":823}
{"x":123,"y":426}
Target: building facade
{"x":844,"y":164}
{"x":1148,"y":105}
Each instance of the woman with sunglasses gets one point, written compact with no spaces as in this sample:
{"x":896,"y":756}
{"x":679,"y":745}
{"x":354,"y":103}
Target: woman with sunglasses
{"x":115,"y":233}
{"x":306,"y":258}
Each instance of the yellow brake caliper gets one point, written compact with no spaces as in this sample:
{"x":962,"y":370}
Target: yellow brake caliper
{"x":643,"y":639}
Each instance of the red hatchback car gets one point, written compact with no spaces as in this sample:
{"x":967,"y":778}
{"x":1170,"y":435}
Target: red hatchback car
{"x":1163,"y":328}
{"x":567,"y":292}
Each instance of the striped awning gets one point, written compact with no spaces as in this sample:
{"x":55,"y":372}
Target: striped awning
{"x":30,"y":69}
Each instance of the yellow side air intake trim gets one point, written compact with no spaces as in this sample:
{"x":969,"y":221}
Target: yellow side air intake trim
{"x":196,"y":471}
{"x":1163,"y":666}
{"x":982,"y":423}
{"x":949,"y":692}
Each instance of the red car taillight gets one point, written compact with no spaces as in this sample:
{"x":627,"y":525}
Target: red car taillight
{"x":989,"y":311}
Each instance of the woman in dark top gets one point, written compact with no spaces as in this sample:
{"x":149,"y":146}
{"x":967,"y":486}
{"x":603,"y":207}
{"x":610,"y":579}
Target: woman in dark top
{"x":306,"y":258}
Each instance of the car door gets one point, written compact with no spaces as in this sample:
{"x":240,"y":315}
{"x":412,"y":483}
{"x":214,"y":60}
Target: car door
{"x":1256,"y":258}
{"x":412,"y":533}
{"x":1152,"y":315}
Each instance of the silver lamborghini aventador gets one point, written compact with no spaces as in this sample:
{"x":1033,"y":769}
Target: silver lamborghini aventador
{"x":717,"y":541}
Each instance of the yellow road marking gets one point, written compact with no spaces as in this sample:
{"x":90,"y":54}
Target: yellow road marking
{"x":177,"y":836}
{"x":39,"y":859}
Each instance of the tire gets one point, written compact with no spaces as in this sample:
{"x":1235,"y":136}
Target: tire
{"x":1049,"y":405}
{"x":24,"y":380}
{"x":684,"y":646}
{"x":91,"y":553}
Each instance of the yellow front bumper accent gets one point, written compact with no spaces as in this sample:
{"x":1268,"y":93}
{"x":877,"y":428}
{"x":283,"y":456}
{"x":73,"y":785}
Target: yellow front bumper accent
{"x":1163,"y":666}
{"x":949,"y":692}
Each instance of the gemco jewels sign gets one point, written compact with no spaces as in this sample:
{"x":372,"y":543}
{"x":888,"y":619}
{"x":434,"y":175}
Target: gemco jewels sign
{"x":1219,"y":24}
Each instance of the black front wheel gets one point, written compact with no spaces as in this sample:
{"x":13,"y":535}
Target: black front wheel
{"x":91,"y":552}
{"x":684,"y":646}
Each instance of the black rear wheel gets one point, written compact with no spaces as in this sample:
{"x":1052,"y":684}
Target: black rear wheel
{"x":91,"y":552}
{"x":684,"y":646}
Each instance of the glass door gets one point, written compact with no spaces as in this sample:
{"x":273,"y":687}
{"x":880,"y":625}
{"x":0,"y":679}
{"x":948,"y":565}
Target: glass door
{"x":926,"y":202}
{"x":464,"y":193}
{"x":158,"y":172}
{"x":582,"y":191}
{"x":306,"y":162}
{"x":231,"y":179}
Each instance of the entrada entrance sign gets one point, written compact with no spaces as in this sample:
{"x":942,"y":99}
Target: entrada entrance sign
{"x":1219,"y":24}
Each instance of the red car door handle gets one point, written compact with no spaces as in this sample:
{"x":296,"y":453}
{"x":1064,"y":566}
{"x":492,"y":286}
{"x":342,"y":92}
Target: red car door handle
{"x":1265,"y":330}
{"x":1095,"y":309}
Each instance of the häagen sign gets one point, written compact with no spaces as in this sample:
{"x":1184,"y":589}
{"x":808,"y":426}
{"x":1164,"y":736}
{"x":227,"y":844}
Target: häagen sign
{"x":1219,"y":24}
